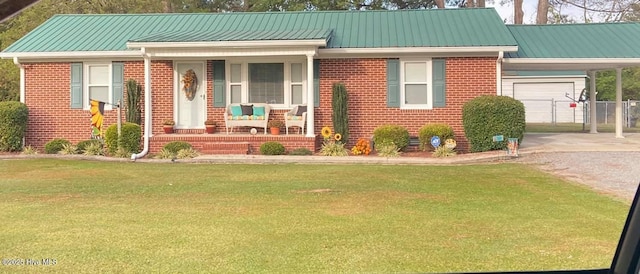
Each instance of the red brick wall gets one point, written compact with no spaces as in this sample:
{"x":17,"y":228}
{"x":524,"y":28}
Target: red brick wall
{"x":365,"y":80}
{"x":48,"y":98}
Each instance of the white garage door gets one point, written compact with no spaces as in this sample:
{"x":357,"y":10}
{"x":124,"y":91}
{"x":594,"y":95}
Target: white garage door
{"x":546,"y":102}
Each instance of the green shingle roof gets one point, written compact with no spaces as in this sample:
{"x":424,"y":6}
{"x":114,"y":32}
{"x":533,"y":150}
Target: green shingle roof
{"x":350,"y":29}
{"x":612,"y":40}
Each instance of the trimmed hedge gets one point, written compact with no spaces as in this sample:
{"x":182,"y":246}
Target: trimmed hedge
{"x":56,"y":145}
{"x":129,"y":138}
{"x":395,"y":134}
{"x":176,"y":146}
{"x":486,"y":116}
{"x":271,"y":148}
{"x":426,"y":132}
{"x":13,"y":125}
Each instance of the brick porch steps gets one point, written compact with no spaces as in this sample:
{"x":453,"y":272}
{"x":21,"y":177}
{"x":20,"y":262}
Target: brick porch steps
{"x":225,"y":148}
{"x":235,"y":143}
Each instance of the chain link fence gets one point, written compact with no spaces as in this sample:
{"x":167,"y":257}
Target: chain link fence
{"x":563,"y":111}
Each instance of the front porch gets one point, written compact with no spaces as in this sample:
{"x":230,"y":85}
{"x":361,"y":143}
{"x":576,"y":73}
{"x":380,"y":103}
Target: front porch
{"x":233,"y":143}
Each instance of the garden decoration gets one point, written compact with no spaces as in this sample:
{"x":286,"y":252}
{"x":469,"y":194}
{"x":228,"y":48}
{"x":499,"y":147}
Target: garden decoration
{"x":190,"y":84}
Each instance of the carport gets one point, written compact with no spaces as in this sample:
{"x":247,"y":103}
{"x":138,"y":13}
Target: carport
{"x":584,"y":47}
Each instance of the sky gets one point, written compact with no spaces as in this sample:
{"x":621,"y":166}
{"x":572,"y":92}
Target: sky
{"x":530,"y":10}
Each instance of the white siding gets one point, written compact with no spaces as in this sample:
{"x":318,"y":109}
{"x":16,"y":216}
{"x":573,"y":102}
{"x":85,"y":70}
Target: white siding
{"x":544,"y":97}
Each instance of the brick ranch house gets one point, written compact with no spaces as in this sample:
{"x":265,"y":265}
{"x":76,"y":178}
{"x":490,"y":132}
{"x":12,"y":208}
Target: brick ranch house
{"x":409,"y":67}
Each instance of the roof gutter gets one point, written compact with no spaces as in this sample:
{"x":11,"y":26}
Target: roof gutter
{"x":499,"y":72}
{"x":22,"y":79}
{"x":69,"y":54}
{"x":147,"y":107}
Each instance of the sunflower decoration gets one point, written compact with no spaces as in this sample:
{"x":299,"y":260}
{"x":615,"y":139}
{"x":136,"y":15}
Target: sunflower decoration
{"x":97,"y":117}
{"x":326,"y":132}
{"x":190,"y":84}
{"x":337,"y":137}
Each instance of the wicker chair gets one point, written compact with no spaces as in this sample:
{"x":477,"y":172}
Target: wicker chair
{"x":294,"y":119}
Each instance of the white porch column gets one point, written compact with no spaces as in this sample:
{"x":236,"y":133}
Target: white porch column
{"x":619,"y":103}
{"x":592,"y":103}
{"x":310,"y":99}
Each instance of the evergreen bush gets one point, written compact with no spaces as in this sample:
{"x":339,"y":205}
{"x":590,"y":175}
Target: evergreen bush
{"x":428,"y":131}
{"x":340,"y":115}
{"x":56,"y":145}
{"x":271,"y":148}
{"x":129,"y":138}
{"x":395,"y":134}
{"x":487,"y":116}
{"x":13,"y":125}
{"x":175,"y":146}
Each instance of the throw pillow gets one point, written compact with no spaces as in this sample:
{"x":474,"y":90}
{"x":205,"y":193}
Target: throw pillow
{"x":236,"y":111}
{"x":258,"y":111}
{"x":301,"y":109}
{"x":247,"y":109}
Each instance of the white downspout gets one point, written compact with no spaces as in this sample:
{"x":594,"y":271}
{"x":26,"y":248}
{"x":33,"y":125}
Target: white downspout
{"x":147,"y":107}
{"x":499,"y":73}
{"x":22,"y":88}
{"x":22,"y":79}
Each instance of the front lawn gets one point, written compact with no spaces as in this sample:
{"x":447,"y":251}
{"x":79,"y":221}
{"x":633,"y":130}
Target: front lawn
{"x":137,"y":217}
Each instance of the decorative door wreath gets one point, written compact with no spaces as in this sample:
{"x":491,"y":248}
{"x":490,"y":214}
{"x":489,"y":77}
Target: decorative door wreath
{"x":190,"y":84}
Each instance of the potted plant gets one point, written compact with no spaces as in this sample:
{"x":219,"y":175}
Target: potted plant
{"x":167,"y":125}
{"x":210,"y":126}
{"x":274,"y":126}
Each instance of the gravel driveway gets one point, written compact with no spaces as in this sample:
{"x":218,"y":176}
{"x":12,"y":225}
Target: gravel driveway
{"x":612,"y":173}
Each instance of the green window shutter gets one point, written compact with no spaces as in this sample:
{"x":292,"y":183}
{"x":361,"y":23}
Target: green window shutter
{"x":117,"y":82}
{"x":76,"y":85}
{"x":393,"y":83}
{"x":439,"y":90}
{"x":316,"y":83}
{"x":219,"y":94}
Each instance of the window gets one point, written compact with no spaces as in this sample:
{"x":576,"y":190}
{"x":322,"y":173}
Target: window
{"x":97,"y":79}
{"x":416,"y":88}
{"x":279,"y":84}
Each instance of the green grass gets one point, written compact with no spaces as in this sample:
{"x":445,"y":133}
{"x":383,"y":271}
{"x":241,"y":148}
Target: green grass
{"x":137,"y":217}
{"x":574,"y":128}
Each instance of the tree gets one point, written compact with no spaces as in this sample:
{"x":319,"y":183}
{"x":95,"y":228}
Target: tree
{"x":543,"y":11}
{"x":518,"y":13}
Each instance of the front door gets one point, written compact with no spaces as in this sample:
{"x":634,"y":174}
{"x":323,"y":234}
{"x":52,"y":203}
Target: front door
{"x":190,"y":95}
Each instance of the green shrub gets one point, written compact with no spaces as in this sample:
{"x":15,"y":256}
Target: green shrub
{"x":129,"y":140}
{"x":340,"y":116}
{"x":333,"y":148}
{"x":271,"y":148}
{"x":428,"y":131}
{"x":395,"y":134}
{"x":387,"y":149}
{"x":68,"y":149}
{"x":443,"y":151}
{"x":176,"y":146}
{"x":93,"y":148}
{"x":165,"y":154}
{"x":56,"y":145}
{"x":82,"y":145}
{"x":486,"y":116}
{"x":301,"y":151}
{"x":187,"y":153}
{"x":13,"y":125}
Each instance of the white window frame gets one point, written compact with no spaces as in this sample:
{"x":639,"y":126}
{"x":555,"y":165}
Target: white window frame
{"x":85,"y":84}
{"x":429,"y":69}
{"x":244,"y":84}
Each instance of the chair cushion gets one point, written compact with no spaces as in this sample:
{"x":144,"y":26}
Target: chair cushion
{"x":236,"y":111}
{"x":247,"y":109}
{"x":301,"y":109}
{"x":258,"y":111}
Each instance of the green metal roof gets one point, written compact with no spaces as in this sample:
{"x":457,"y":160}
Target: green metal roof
{"x":350,"y":29}
{"x":243,"y":35}
{"x":610,"y":40}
